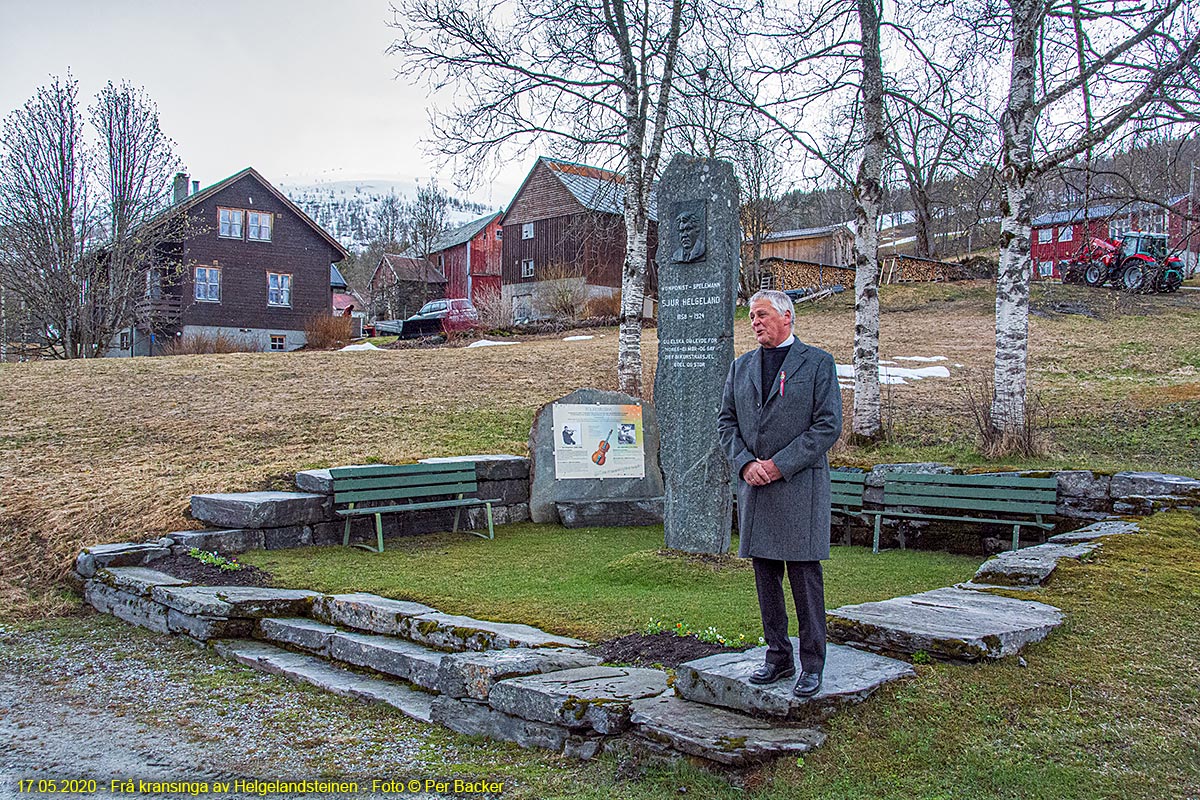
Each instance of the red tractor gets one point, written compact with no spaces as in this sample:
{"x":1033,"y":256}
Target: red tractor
{"x":1137,"y":262}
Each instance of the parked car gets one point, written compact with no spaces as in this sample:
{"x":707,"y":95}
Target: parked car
{"x":441,"y":316}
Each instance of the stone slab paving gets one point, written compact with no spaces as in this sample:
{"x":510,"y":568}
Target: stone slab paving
{"x":137,"y":580}
{"x":311,"y":669}
{"x":456,"y":633}
{"x":716,"y":734}
{"x":477,"y":718}
{"x":300,"y":632}
{"x":596,"y":698}
{"x":1097,"y":530}
{"x":246,"y":602}
{"x":205,"y":628}
{"x":388,"y":655}
{"x":259,"y":509}
{"x":367,"y":612}
{"x":121,"y":554}
{"x":221,"y":540}
{"x":850,"y":676}
{"x":947,"y":623}
{"x":1031,"y":566}
{"x":1154,"y":484}
{"x":473,"y":674}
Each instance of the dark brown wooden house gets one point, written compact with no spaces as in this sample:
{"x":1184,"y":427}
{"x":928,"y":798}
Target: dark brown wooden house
{"x":566,"y":225}
{"x":257,"y":270}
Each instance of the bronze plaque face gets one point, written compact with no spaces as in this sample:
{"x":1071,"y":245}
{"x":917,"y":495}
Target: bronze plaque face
{"x":691,"y":230}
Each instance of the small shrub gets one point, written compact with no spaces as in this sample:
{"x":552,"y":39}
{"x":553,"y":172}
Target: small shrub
{"x":601,"y":306}
{"x":921,"y":657}
{"x":493,"y":311}
{"x":209,"y":344}
{"x":561,"y":291}
{"x":325,"y":331}
{"x":1029,"y":440}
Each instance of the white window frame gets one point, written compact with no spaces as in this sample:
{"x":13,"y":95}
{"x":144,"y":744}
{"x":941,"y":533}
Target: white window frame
{"x":1046,"y":269}
{"x":226,"y":226}
{"x":1156,"y":222}
{"x":1066,"y":233}
{"x":500,"y":233}
{"x":265,"y":222}
{"x":280,"y":294}
{"x":527,"y":268}
{"x":208,"y":284}
{"x":279,"y":339}
{"x":1119,"y":226}
{"x":1045,"y":235}
{"x":527,"y":230}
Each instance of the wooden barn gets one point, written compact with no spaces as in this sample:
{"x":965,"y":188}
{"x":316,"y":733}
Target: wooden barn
{"x":400,"y":285}
{"x":469,"y":258}
{"x":830,"y":245}
{"x":565,"y":228}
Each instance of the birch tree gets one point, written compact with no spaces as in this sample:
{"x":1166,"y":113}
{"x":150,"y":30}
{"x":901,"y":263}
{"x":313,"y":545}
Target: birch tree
{"x":1080,"y":73}
{"x":824,"y":61}
{"x":592,"y":78}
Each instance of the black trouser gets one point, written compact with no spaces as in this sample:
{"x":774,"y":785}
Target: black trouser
{"x":808,"y":590}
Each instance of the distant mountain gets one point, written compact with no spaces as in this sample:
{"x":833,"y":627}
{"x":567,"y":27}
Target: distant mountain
{"x":349,"y":210}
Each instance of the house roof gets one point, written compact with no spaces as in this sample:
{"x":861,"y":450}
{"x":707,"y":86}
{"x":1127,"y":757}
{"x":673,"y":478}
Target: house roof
{"x":407,"y":268}
{"x":806,"y":233}
{"x":1073,"y":215}
{"x":336,"y":281}
{"x":202,"y":195}
{"x":595,"y":188}
{"x":463,"y":233}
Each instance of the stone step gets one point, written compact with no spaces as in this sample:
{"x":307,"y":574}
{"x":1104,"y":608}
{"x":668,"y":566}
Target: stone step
{"x":313,"y":670}
{"x":242,"y":602}
{"x":717,"y":734}
{"x":588,"y":698}
{"x":1097,"y":530}
{"x":477,"y":718}
{"x":260,"y":509}
{"x":430,"y":627}
{"x":850,"y":676}
{"x":387,"y":655}
{"x":1031,"y":566}
{"x":949,"y":623}
{"x":468,"y":674}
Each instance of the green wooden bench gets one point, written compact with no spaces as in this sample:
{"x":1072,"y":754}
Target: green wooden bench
{"x":1022,"y":501}
{"x":846,"y":496}
{"x":397,"y":489}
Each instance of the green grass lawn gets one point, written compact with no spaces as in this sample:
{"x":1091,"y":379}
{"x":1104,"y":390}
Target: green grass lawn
{"x":595,"y":583}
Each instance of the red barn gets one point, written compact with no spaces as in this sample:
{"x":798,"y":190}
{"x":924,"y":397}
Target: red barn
{"x":1061,"y":235}
{"x":469,"y":258}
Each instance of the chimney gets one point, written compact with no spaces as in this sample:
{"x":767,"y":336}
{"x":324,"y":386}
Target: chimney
{"x":195,"y":187}
{"x":181,"y":186}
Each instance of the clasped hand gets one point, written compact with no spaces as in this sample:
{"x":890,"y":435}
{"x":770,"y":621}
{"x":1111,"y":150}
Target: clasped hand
{"x":760,"y":472}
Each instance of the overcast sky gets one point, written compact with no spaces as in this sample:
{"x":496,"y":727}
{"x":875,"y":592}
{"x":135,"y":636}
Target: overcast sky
{"x":299,"y":89}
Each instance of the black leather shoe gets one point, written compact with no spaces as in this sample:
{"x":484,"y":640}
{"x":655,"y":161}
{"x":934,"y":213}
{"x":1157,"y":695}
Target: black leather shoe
{"x":808,"y":685}
{"x":769,"y":673}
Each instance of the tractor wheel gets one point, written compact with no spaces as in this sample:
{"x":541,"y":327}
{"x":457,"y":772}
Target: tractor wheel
{"x":1093,"y":275}
{"x":1131,"y":279}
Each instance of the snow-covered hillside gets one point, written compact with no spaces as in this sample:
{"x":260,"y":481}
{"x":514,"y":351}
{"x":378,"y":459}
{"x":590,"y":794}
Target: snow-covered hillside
{"x":349,"y":209}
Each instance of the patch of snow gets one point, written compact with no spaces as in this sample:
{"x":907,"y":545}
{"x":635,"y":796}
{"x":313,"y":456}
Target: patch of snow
{"x":577,"y":338}
{"x":488,"y":343}
{"x":896,"y":375}
{"x":925,"y":359}
{"x":882,"y":361}
{"x":363,"y":346}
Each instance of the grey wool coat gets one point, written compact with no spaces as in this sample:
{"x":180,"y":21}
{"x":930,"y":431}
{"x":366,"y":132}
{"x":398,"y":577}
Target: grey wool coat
{"x":787,"y":519}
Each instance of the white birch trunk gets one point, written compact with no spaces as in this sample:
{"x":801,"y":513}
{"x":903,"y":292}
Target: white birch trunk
{"x":867,"y":423}
{"x":1016,"y":176}
{"x":633,"y":292}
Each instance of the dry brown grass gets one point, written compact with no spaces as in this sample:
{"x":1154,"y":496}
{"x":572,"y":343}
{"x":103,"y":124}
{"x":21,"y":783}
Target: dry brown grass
{"x":325,"y":331}
{"x":111,"y":450}
{"x":209,"y":344}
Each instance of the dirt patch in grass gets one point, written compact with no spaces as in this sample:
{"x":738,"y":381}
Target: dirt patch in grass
{"x":658,"y":649}
{"x":196,"y":571}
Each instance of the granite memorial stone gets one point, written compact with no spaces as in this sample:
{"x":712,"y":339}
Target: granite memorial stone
{"x":698,"y":254}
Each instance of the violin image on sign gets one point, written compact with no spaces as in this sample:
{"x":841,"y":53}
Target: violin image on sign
{"x":604,"y":447}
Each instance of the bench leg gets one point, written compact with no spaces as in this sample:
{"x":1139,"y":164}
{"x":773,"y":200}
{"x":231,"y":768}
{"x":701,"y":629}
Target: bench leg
{"x":1016,"y":537}
{"x":878,"y":521}
{"x":379,"y":531}
{"x":346,"y":535}
{"x":457,"y":511}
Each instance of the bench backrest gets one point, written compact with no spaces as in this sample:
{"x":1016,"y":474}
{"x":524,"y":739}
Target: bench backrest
{"x":847,"y":488}
{"x":386,"y":482}
{"x":1013,"y":494}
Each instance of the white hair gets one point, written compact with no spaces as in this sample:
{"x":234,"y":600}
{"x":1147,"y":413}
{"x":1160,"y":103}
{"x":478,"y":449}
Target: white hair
{"x":780,"y":301}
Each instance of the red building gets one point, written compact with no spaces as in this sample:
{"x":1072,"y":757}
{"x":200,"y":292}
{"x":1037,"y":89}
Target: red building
{"x":1061,"y":235}
{"x":469,"y":258}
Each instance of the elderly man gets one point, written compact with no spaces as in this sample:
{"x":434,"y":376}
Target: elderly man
{"x":781,"y":412}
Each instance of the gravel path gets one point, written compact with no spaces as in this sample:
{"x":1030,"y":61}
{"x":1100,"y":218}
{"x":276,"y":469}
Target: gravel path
{"x":93,"y":698}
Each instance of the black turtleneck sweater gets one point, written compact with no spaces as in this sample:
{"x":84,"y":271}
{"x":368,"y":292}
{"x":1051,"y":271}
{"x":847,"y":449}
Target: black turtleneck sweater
{"x":772,"y":360}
